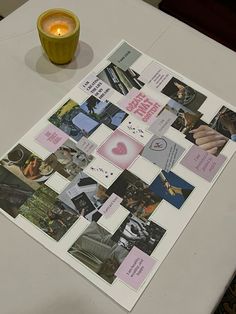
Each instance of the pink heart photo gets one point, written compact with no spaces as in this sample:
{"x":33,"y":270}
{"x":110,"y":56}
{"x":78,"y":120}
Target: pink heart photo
{"x":120,"y":149}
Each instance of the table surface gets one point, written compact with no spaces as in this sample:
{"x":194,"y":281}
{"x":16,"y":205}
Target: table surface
{"x":195,"y":273}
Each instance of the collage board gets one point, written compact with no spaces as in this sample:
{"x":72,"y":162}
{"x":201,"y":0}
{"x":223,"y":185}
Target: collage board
{"x":110,"y":177}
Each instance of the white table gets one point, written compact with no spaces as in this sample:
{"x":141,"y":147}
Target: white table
{"x":195,"y":273}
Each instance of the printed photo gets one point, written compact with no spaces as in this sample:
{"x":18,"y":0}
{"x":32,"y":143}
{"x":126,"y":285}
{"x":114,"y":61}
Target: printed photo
{"x":135,"y":232}
{"x":96,"y":250}
{"x":71,"y":159}
{"x":71,"y":120}
{"x":225,"y":123}
{"x":85,"y":196}
{"x":28,"y":167}
{"x":137,"y":197}
{"x":103,"y":112}
{"x":184,"y":94}
{"x":207,"y":137}
{"x":122,"y":81}
{"x":48,"y":213}
{"x":13,"y":192}
{"x":171,"y":188}
{"x":186,"y":119}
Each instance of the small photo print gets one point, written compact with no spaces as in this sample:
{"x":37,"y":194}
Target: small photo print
{"x":48,"y":213}
{"x":186,"y":118}
{"x":85,"y":196}
{"x":73,"y":121}
{"x":96,"y":250}
{"x":120,"y":149}
{"x":225,"y":123}
{"x":171,"y":188}
{"x":28,"y":167}
{"x":13,"y":192}
{"x":103,"y":112}
{"x":184,"y":94}
{"x":122,"y":81}
{"x":71,"y":159}
{"x":143,"y":235}
{"x":207,"y":138}
{"x":136,"y":195}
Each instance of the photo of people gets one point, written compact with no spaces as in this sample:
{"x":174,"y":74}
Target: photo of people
{"x":186,"y":118}
{"x":96,"y":250}
{"x":104,"y":112}
{"x":137,"y":197}
{"x":85,"y":196}
{"x":207,"y":138}
{"x":29,"y":167}
{"x":13,"y":192}
{"x":171,"y":188}
{"x":120,"y":80}
{"x":135,"y":232}
{"x":184,"y":94}
{"x":71,"y":159}
{"x":48,"y":213}
{"x":225,"y":123}
{"x":71,"y":120}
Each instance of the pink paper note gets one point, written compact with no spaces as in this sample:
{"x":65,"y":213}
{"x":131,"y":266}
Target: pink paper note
{"x":135,"y":268}
{"x":51,"y":138}
{"x":111,"y":205}
{"x":202,"y":163}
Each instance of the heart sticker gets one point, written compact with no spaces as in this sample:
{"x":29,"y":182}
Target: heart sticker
{"x":120,"y":149}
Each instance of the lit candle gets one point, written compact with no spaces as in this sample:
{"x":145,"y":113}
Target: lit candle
{"x":59,"y":33}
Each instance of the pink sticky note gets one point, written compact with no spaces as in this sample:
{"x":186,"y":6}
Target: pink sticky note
{"x":202,"y":163}
{"x":111,"y":205}
{"x":135,"y":268}
{"x":51,"y":138}
{"x":141,"y":106}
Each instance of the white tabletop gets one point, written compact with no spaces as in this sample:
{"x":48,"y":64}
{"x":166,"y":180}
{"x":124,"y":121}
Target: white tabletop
{"x":194,"y":275}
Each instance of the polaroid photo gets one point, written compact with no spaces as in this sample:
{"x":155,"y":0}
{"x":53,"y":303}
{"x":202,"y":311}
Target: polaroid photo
{"x":184,"y":94}
{"x":122,"y":81}
{"x":48,"y":213}
{"x":171,"y":188}
{"x":136,"y":195}
{"x":13,"y":192}
{"x":96,"y":250}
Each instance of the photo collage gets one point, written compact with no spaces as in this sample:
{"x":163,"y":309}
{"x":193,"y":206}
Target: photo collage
{"x":101,"y":178}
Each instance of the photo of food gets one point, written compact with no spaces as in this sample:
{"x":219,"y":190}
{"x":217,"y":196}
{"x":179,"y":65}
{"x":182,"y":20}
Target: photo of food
{"x":136,"y":195}
{"x":28,"y":167}
{"x":96,"y":250}
{"x":134,"y":232}
{"x":48,"y":213}
{"x":71,"y":159}
{"x":184,"y":94}
{"x":186,"y":118}
{"x":13,"y":192}
{"x":122,"y":81}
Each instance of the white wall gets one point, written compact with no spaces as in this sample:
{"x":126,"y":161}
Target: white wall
{"x":7,"y":6}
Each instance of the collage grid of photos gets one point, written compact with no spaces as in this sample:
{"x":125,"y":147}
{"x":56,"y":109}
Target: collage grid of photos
{"x":23,"y":173}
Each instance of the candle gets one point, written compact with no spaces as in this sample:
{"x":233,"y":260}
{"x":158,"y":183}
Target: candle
{"x":59,"y":33}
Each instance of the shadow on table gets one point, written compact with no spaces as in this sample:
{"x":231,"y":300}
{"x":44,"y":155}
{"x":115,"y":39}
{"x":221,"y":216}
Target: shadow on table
{"x":37,"y":60}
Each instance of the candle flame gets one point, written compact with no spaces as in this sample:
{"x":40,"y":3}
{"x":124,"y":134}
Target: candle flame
{"x":59,"y":32}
